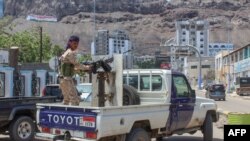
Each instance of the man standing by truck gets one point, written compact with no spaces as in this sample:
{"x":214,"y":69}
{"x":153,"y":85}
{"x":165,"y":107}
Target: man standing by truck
{"x":69,"y":65}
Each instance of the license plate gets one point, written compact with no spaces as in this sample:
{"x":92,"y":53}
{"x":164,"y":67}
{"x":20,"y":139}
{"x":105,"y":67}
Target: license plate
{"x":88,"y":124}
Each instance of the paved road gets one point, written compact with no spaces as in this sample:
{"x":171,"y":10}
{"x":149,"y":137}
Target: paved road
{"x":6,"y":138}
{"x":218,"y":136}
{"x":233,"y":103}
{"x":198,"y":136}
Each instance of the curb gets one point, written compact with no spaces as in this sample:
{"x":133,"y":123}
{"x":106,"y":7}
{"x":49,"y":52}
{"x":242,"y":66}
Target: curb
{"x":224,"y":113}
{"x":237,"y":96}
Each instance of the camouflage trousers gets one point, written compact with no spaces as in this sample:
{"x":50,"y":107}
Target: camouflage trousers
{"x":69,"y":91}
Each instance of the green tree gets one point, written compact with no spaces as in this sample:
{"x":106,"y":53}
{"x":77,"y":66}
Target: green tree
{"x":57,"y":50}
{"x":146,"y":64}
{"x":29,"y":44}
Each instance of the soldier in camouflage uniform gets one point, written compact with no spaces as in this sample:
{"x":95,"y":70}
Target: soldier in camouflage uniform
{"x":69,"y":65}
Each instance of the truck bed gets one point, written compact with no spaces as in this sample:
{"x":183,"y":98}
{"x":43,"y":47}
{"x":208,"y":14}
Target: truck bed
{"x":25,"y":100}
{"x":8,"y":104}
{"x":108,"y":120}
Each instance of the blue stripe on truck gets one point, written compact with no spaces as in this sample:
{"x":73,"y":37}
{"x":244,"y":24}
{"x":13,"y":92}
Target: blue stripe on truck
{"x":73,"y":119}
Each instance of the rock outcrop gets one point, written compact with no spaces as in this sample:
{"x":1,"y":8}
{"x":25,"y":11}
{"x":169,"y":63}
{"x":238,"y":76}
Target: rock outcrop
{"x":141,"y":18}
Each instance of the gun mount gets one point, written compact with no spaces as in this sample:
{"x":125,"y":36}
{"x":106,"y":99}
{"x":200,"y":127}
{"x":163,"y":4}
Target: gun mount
{"x":107,"y":80}
{"x":102,"y":63}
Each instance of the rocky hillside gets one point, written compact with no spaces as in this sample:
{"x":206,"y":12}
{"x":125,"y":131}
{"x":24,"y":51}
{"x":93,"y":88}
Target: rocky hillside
{"x":146,"y":21}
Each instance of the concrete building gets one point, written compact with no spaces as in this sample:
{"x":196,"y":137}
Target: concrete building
{"x":219,"y":67}
{"x":214,"y":48}
{"x":120,"y":43}
{"x":4,"y":56}
{"x":116,"y":42}
{"x":1,"y":8}
{"x":191,"y":69}
{"x":101,"y":46}
{"x":195,"y":33}
{"x":233,"y":65}
{"x":144,"y":58}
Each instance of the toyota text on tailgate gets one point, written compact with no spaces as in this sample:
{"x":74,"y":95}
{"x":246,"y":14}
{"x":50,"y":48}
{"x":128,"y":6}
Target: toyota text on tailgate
{"x":80,"y":122}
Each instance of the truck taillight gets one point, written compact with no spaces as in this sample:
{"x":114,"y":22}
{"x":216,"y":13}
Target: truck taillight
{"x":91,"y":135}
{"x":44,"y":92}
{"x":46,"y":130}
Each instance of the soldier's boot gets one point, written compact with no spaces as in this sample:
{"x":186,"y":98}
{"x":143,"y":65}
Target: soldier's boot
{"x":65,"y":102}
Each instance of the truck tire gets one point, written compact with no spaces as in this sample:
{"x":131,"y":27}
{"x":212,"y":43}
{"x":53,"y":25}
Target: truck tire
{"x":159,"y":139}
{"x":138,"y":134}
{"x":130,"y":96}
{"x":208,"y":128}
{"x":22,"y":129}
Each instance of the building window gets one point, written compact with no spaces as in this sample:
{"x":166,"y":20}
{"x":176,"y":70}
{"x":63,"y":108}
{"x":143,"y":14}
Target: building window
{"x":201,"y":52}
{"x":216,"y":46}
{"x":192,"y":33}
{"x":241,"y":55}
{"x":210,"y":46}
{"x":201,"y":33}
{"x":201,"y":46}
{"x":222,"y":46}
{"x":193,"y":67}
{"x":245,"y":53}
{"x":205,"y":66}
{"x":183,"y":33}
{"x":201,"y":40}
{"x":183,"y":40}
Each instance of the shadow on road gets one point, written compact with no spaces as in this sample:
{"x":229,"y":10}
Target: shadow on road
{"x":177,"y":138}
{"x":188,"y":138}
{"x":8,"y":139}
{"x":5,"y":139}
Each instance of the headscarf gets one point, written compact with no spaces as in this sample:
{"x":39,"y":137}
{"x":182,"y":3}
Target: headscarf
{"x":72,"y":38}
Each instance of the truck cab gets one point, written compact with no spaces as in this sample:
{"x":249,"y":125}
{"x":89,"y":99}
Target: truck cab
{"x":164,"y":86}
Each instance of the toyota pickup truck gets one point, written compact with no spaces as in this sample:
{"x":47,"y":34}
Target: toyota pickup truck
{"x":167,"y":106}
{"x":18,"y":115}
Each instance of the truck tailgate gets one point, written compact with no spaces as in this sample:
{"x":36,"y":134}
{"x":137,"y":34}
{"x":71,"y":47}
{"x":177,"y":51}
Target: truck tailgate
{"x":78,"y":121}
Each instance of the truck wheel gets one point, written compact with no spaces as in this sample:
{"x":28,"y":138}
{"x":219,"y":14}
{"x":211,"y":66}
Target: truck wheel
{"x":208,"y":128}
{"x":138,"y":134}
{"x":159,"y":139}
{"x":130,"y":96}
{"x":22,"y":129}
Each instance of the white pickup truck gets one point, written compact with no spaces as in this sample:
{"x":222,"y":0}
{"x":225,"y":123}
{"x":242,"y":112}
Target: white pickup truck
{"x":167,"y":105}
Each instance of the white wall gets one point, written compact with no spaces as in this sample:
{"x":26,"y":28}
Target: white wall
{"x":4,"y":56}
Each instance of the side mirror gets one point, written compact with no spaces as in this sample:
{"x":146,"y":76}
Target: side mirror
{"x":193,"y":93}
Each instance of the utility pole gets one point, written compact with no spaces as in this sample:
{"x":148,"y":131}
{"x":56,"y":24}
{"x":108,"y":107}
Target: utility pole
{"x":41,"y":43}
{"x":228,"y":58}
{"x":200,"y":59}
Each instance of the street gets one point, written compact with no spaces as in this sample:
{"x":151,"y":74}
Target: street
{"x":225,"y":106}
{"x":233,"y":103}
